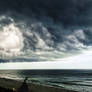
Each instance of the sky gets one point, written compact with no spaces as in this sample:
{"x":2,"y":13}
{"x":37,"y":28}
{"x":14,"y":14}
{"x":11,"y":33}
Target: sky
{"x":45,"y":34}
{"x":82,"y":61}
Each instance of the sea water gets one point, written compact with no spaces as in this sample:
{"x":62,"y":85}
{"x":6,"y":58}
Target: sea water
{"x":79,"y":80}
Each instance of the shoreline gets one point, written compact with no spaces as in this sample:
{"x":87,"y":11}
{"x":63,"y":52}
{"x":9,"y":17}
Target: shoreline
{"x":11,"y":84}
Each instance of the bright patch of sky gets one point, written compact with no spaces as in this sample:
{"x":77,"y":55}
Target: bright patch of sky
{"x":82,"y":61}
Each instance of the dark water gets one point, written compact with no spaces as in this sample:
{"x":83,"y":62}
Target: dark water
{"x":80,"y":80}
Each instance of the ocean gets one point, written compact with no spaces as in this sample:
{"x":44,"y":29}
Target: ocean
{"x":79,"y":80}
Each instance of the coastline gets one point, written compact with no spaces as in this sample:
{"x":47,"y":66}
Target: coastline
{"x":9,"y":84}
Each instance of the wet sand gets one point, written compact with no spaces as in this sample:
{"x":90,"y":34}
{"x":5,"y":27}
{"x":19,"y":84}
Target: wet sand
{"x":8,"y":85}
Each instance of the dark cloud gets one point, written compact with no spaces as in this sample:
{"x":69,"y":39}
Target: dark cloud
{"x":69,"y":12}
{"x":50,"y":25}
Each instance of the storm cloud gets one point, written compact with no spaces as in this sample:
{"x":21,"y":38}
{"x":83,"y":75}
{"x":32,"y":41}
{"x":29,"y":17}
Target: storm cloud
{"x":69,"y":12}
{"x":50,"y":28}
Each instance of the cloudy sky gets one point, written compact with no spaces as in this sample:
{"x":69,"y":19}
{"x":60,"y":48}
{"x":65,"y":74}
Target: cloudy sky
{"x":45,"y":34}
{"x":82,"y":61}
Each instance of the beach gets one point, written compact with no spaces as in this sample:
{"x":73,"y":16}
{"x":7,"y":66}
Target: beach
{"x":9,"y":85}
